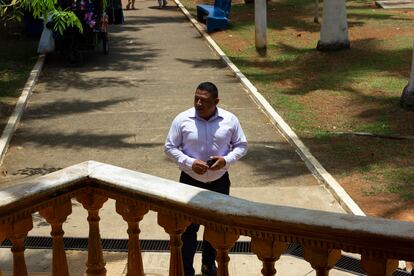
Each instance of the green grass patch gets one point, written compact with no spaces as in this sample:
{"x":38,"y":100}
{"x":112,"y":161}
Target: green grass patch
{"x":17,"y":58}
{"x":401,"y":181}
{"x":388,"y":180}
{"x":390,"y":85}
{"x":324,"y":136}
{"x":379,"y":127}
{"x":296,"y":3}
{"x":374,"y":189}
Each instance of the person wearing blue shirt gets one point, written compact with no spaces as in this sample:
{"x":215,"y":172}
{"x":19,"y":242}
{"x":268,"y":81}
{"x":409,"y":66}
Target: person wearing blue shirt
{"x":204,"y":141}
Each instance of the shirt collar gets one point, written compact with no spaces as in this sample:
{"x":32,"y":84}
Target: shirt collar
{"x":217,"y":114}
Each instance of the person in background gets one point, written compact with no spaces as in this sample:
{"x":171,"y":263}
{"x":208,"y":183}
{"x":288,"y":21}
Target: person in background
{"x":162,"y":3}
{"x":130,"y":5}
{"x":115,"y":12}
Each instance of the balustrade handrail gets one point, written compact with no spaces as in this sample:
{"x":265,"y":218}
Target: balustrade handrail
{"x":370,"y":236}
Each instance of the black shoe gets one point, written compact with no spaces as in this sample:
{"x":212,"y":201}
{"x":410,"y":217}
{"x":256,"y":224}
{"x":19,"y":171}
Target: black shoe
{"x":207,"y":270}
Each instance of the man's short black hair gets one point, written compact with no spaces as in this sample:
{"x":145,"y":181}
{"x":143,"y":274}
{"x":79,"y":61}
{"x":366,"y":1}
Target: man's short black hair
{"x":210,"y":87}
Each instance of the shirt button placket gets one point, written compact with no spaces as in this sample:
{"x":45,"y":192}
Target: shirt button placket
{"x":206,"y":145}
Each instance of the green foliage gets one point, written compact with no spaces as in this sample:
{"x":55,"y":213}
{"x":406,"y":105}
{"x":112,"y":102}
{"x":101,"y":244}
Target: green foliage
{"x":65,"y":19}
{"x":39,"y":7}
{"x":10,"y":11}
{"x":62,"y":19}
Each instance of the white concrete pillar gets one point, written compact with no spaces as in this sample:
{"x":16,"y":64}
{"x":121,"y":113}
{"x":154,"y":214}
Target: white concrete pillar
{"x":410,"y":86}
{"x":334,"y":28}
{"x":407,"y":97}
{"x":260,"y":17}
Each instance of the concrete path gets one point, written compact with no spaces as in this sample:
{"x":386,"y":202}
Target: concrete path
{"x":118,"y":108}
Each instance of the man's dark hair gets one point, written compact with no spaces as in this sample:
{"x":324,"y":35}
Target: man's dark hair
{"x":210,"y":87}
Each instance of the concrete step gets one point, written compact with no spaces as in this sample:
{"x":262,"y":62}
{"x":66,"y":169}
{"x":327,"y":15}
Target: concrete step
{"x":39,"y":263}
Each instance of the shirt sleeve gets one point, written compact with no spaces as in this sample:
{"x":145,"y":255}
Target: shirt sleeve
{"x":173,"y":146}
{"x":239,"y":144}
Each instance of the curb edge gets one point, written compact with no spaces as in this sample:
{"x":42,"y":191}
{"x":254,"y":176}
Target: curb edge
{"x":15,"y":117}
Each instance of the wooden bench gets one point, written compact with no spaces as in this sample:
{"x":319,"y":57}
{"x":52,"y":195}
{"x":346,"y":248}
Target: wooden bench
{"x":216,"y":16}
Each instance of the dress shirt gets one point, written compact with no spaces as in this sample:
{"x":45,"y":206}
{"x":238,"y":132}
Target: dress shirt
{"x":192,"y":137}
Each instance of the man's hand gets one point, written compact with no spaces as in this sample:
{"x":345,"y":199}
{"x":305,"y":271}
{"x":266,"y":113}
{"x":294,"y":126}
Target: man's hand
{"x":219,"y":163}
{"x":199,"y":167}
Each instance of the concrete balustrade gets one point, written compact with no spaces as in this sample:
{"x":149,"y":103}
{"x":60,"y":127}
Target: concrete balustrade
{"x":93,"y":202}
{"x":174,"y":227}
{"x":268,"y":251}
{"x":56,"y":215}
{"x":133,"y":213}
{"x":323,"y":235}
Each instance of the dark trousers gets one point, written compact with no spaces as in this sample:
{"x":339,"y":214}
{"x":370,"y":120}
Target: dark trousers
{"x":189,"y":237}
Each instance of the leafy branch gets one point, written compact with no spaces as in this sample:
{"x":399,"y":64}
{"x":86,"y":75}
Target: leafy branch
{"x":10,"y":11}
{"x":39,"y":7}
{"x":61,"y":19}
{"x":64,"y":19}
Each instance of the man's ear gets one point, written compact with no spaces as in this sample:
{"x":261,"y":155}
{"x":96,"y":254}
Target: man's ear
{"x":216,"y":101}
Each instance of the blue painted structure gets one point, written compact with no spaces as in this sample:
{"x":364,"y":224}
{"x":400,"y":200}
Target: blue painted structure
{"x":216,"y":16}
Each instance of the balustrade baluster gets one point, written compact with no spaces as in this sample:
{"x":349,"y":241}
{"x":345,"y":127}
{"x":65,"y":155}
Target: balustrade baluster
{"x":222,"y":242}
{"x":56,"y":215}
{"x":2,"y":237}
{"x":133,"y":214}
{"x":378,"y":266}
{"x":17,"y":234}
{"x":174,"y":227}
{"x":268,"y":251}
{"x":322,"y":260}
{"x":92,"y":203}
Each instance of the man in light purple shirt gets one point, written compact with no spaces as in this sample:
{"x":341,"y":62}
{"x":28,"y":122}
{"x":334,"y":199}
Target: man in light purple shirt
{"x":204,"y":141}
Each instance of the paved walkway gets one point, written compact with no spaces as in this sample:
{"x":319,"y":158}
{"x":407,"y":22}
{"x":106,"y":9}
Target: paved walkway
{"x":117,"y":109}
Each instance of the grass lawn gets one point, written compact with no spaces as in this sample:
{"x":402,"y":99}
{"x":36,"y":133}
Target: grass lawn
{"x":17,"y":58}
{"x":322,"y":94}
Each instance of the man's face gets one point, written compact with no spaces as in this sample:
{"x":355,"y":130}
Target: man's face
{"x":205,"y":104}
